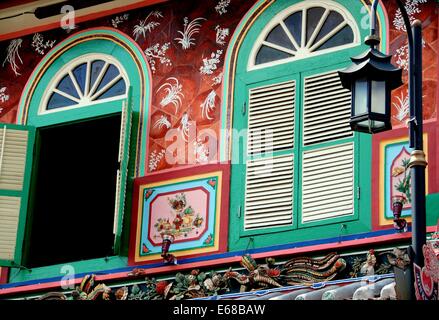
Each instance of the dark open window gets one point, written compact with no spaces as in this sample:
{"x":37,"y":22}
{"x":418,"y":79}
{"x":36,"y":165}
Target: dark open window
{"x":73,"y":197}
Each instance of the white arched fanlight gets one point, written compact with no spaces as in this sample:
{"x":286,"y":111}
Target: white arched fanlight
{"x":86,"y":80}
{"x":303,"y":30}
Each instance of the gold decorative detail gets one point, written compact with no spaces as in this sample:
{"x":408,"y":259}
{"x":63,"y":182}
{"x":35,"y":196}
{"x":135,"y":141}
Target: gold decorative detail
{"x":417,"y":158}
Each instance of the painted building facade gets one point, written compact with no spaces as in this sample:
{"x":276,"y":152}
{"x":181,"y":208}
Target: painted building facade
{"x":220,"y":126}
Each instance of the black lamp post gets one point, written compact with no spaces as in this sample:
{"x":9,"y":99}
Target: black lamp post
{"x":371,"y":79}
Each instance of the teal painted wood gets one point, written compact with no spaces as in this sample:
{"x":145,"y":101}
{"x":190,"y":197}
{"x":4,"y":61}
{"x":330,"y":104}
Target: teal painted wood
{"x":124,"y":153}
{"x":432,"y":208}
{"x":360,"y":221}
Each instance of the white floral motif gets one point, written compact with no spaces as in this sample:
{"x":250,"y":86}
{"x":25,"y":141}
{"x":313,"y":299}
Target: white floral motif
{"x":221,"y":35}
{"x":217,"y":80}
{"x":184,"y":126}
{"x":162,"y":122}
{"x":402,"y":106}
{"x":157,"y":52}
{"x":201,"y":152}
{"x":119,"y":19}
{"x":3,"y":96}
{"x":190,"y":29}
{"x":222,"y":5}
{"x":208,"y":105}
{"x":12,"y":54}
{"x":145,"y":26}
{"x":209,"y":65}
{"x":154,"y":159}
{"x":402,"y":53}
{"x":173,"y":93}
{"x":402,"y":57}
{"x":39,"y":44}
{"x":412,"y":7}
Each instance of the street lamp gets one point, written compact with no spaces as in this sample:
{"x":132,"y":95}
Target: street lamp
{"x":371,"y":111}
{"x":371,"y":78}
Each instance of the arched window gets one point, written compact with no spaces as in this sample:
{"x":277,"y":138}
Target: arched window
{"x":84,"y":81}
{"x":300,"y":174}
{"x":301,"y":31}
{"x":69,"y":157}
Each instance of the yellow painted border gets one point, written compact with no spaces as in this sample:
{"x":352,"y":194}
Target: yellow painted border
{"x":186,"y":252}
{"x":382,"y":220}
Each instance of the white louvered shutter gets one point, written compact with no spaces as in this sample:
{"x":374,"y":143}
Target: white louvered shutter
{"x":328,"y":182}
{"x":122,"y":172}
{"x":271,"y":118}
{"x":269,"y":180}
{"x":326,"y":109}
{"x":15,"y":145}
{"x":269,"y":192}
{"x":327,"y":172}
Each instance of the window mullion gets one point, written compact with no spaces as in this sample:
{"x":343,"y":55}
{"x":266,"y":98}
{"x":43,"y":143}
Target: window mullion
{"x":318,"y":27}
{"x":297,"y":152}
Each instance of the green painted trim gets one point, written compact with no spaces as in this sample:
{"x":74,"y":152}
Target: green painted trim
{"x":432,"y":209}
{"x":384,"y":27}
{"x":23,"y":194}
{"x":85,"y":266}
{"x":77,"y":114}
{"x":31,"y":196}
{"x":10,"y":193}
{"x":124,"y":169}
{"x":360,"y":221}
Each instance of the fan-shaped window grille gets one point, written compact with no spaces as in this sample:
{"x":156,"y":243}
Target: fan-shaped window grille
{"x":86,"y":81}
{"x":312,"y":28}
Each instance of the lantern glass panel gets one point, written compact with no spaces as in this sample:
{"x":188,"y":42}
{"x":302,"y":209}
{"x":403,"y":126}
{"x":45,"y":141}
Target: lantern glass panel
{"x":361,"y":97}
{"x":378,"y":93}
{"x":370,"y":124}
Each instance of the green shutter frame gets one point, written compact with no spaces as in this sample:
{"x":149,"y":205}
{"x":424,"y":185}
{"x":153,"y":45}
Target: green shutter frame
{"x":243,"y":120}
{"x":122,"y":172}
{"x":18,"y":193}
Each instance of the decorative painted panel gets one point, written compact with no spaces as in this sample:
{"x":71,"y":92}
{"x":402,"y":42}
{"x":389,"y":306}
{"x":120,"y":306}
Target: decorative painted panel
{"x":189,"y":205}
{"x":395,"y":177}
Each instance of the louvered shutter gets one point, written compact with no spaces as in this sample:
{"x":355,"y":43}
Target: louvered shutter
{"x":328,"y":182}
{"x":326,"y":109}
{"x":271,"y":118}
{"x":269,"y":180}
{"x":122,"y":172}
{"x":16,"y":149}
{"x":269,"y":192}
{"x":327,"y":172}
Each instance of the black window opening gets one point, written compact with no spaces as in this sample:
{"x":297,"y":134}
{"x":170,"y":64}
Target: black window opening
{"x":73,"y":194}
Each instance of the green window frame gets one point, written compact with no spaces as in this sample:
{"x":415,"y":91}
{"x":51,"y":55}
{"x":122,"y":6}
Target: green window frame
{"x":246,"y":80}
